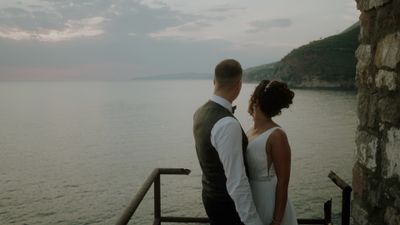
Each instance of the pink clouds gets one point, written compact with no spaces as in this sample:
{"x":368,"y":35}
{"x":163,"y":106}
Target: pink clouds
{"x":72,"y":29}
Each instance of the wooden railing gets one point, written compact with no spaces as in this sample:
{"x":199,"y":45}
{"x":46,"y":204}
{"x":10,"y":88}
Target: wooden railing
{"x":346,"y":196}
{"x":154,"y":178}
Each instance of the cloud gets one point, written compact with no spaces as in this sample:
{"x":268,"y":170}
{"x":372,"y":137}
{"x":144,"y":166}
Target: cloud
{"x":187,"y":31}
{"x":12,"y":12}
{"x":132,"y":34}
{"x":72,"y":29}
{"x":153,"y":4}
{"x":141,"y":19}
{"x":226,"y":8}
{"x":263,"y":25}
{"x":53,"y":21}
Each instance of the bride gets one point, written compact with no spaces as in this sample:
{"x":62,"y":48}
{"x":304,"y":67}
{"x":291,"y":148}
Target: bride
{"x":268,"y":154}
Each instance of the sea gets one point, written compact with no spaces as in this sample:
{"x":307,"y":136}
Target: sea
{"x":74,"y":153}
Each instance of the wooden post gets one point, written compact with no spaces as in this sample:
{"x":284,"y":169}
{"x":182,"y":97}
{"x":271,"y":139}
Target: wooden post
{"x":346,"y":201}
{"x":157,"y":200}
{"x":328,"y":212}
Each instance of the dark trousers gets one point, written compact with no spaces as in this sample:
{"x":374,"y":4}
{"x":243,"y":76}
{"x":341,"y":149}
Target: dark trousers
{"x":221,"y":212}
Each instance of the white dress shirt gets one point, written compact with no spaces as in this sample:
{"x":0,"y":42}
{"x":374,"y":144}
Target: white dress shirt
{"x":226,"y":138}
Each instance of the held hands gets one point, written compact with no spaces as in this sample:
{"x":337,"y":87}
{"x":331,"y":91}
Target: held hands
{"x":275,"y":222}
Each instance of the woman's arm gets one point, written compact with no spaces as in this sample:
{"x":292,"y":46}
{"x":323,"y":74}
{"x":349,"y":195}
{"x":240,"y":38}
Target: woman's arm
{"x":281,"y":157}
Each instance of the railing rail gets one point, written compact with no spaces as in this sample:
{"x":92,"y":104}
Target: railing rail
{"x":154,"y":179}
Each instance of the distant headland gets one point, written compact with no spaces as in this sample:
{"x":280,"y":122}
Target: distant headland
{"x":178,"y":76}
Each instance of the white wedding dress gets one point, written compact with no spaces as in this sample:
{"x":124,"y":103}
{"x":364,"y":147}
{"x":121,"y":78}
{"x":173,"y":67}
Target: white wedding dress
{"x":263,"y":181}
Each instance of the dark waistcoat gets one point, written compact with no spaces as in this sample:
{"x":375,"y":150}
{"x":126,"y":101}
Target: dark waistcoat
{"x":213,"y":179}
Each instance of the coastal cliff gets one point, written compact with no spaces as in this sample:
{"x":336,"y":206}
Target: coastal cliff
{"x":325,"y":63}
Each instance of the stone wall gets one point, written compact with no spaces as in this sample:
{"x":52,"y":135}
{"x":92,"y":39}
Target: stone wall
{"x":376,"y":172}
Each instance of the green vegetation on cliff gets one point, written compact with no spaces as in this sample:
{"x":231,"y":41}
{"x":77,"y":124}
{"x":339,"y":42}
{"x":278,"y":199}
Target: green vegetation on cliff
{"x":326,"y":63}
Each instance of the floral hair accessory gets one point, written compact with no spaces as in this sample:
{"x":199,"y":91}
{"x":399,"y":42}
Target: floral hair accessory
{"x":268,"y":85}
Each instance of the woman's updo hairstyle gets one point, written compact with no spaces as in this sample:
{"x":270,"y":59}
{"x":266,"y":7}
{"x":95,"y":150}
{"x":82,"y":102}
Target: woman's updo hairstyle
{"x":271,"y":97}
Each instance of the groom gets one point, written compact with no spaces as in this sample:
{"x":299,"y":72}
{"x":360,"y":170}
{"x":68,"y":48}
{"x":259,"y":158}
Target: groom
{"x":220,"y":145}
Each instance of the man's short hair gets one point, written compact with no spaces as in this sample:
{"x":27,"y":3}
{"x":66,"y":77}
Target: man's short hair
{"x":228,"y":72}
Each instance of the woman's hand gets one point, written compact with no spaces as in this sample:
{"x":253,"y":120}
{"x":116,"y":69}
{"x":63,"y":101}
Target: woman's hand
{"x":274,"y":222}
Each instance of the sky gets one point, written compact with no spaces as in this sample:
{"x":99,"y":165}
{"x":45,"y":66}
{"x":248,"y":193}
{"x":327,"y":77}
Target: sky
{"x":124,"y":39}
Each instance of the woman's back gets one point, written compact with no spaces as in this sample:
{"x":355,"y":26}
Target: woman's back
{"x":257,"y":157}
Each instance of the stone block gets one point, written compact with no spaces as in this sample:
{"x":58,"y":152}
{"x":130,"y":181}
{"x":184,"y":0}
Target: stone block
{"x":392,"y":152}
{"x":365,"y":5}
{"x":367,"y":25}
{"x":360,"y":215}
{"x":389,"y":108}
{"x":392,"y":216}
{"x":367,"y":108}
{"x":359,"y":182}
{"x":386,"y":79}
{"x":363,"y":78}
{"x":374,"y":193}
{"x":363,"y":54}
{"x":388,"y":51}
{"x":394,"y":192}
{"x":366,"y":149}
{"x":386,"y":20}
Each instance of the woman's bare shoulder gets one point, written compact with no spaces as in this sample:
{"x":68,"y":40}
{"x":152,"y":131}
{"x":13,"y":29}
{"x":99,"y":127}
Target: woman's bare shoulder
{"x":278,"y":135}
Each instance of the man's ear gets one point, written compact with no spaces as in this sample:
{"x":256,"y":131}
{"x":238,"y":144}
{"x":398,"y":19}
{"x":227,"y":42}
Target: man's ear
{"x":239,"y":83}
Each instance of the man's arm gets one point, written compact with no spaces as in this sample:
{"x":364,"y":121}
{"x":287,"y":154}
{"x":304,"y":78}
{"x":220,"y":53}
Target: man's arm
{"x":226,"y":137}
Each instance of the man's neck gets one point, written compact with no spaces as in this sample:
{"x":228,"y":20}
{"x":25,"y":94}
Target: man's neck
{"x":224,"y":95}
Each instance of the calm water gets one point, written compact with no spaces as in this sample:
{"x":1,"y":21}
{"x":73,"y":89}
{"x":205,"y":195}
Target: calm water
{"x":76,"y":152}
